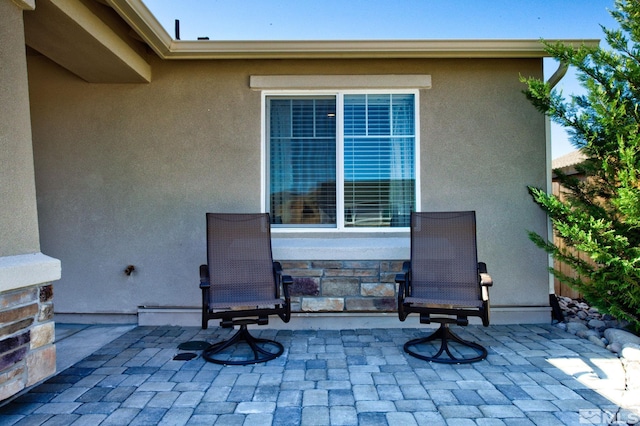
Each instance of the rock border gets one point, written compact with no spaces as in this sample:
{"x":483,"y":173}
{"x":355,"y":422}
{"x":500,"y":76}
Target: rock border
{"x":605,"y":331}
{"x":586,"y":322}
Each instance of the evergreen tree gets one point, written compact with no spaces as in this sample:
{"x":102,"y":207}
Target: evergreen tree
{"x":600,"y":215}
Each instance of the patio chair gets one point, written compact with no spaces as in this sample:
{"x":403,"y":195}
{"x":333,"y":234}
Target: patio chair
{"x":241,"y":285}
{"x":444,"y":283}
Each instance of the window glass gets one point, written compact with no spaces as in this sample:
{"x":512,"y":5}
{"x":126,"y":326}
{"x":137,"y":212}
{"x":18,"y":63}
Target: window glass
{"x":379,"y":177}
{"x":302,"y":141}
{"x":377,"y":183}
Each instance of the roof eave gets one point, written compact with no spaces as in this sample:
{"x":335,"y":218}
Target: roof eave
{"x":140,"y":18}
{"x":360,"y":49}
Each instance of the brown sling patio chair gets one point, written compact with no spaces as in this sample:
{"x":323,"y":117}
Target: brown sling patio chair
{"x":241,"y":285}
{"x":444,"y":283}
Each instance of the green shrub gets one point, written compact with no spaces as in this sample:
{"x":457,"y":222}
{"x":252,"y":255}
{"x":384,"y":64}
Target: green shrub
{"x":600,"y":215}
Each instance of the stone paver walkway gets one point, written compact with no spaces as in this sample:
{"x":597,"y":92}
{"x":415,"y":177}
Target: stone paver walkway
{"x":534,"y":375}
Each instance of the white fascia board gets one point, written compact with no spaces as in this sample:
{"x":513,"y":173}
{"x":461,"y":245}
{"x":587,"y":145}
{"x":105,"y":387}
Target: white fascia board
{"x":145,"y":24}
{"x":25,"y":4}
{"x":337,"y":49}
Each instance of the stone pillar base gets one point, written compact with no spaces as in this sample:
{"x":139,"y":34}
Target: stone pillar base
{"x":27,"y":336}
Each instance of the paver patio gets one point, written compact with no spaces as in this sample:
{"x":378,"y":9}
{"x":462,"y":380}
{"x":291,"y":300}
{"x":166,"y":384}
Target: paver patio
{"x":534,"y":375}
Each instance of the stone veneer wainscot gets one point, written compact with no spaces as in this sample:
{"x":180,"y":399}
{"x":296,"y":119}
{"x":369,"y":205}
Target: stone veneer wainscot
{"x":27,"y":333}
{"x":343,"y":285}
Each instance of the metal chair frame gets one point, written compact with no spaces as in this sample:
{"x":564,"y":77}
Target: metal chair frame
{"x":441,"y":297}
{"x":240,"y":296}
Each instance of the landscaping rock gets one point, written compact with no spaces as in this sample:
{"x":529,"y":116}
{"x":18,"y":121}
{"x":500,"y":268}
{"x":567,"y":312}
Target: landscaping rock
{"x":615,"y":348}
{"x":592,"y":332}
{"x":576,"y":327}
{"x":602,"y":329}
{"x":596,"y":340}
{"x":615,"y":335}
{"x":611,"y":323}
{"x":597,"y":324}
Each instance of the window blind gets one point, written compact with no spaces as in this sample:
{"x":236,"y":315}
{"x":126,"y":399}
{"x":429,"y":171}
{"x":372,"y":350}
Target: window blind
{"x":377,"y":163}
{"x":302,"y":142}
{"x":379,"y":177}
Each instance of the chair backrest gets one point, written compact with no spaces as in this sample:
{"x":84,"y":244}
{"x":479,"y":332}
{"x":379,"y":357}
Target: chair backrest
{"x":239,"y":258}
{"x":444,"y":260}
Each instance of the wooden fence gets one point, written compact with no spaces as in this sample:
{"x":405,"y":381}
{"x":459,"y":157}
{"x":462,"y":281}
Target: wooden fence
{"x":562,"y":289}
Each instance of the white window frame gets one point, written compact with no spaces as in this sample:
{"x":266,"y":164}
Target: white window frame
{"x":339,"y":96}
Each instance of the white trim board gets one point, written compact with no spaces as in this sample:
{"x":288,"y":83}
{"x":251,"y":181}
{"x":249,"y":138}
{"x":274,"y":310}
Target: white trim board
{"x":191,"y":317}
{"x":27,"y":269}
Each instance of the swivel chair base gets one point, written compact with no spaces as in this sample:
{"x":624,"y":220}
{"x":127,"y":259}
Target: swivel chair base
{"x":218,"y":353}
{"x":445,"y":335}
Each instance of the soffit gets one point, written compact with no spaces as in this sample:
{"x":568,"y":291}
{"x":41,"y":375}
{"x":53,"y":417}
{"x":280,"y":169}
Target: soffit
{"x":88,"y":39}
{"x":142,"y":21}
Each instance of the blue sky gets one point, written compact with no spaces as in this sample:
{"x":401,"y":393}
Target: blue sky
{"x":392,"y":19}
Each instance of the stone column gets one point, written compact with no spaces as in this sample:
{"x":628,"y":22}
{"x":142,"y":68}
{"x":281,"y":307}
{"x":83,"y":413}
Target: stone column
{"x":27,"y":350}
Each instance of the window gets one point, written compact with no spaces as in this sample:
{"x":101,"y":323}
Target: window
{"x":343,"y":160}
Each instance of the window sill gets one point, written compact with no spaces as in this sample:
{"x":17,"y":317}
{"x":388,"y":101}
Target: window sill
{"x":340,"y":248}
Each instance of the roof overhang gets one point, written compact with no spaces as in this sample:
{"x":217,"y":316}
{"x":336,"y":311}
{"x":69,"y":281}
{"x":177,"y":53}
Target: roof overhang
{"x":88,"y":39}
{"x":108,"y":41}
{"x":144,"y":23}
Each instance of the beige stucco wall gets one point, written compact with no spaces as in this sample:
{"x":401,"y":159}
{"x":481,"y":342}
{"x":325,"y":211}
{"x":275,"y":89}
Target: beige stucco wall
{"x":18,"y":216}
{"x":21,"y":263}
{"x":26,"y":336}
{"x":125,"y":173}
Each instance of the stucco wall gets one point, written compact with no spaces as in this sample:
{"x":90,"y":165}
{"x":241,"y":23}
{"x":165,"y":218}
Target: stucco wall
{"x":18,"y":216}
{"x":125,"y":173}
{"x":27,"y":350}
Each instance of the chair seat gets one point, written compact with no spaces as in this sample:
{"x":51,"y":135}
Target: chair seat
{"x":246,"y":303}
{"x":449,"y":293}
{"x":440,"y":302}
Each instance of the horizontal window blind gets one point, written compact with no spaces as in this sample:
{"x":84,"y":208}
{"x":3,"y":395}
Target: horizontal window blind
{"x":302,"y":142}
{"x":379,"y":177}
{"x":378,"y":160}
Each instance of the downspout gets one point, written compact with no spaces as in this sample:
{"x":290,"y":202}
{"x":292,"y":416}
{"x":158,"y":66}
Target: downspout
{"x":557,"y":76}
{"x":552,"y":82}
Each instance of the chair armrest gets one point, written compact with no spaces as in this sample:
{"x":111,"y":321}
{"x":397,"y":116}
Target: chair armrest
{"x":204,"y":277}
{"x":286,"y":280}
{"x":485,"y":278}
{"x":277,"y":270}
{"x":402,"y":277}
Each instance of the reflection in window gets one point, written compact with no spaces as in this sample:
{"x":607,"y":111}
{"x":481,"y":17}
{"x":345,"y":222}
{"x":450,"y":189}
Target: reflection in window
{"x":302,"y":140}
{"x":377,"y":163}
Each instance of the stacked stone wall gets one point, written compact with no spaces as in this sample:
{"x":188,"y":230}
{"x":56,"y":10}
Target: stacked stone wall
{"x":343,"y":286}
{"x":27,"y":334}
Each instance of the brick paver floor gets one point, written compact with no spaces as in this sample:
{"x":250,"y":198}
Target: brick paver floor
{"x":534,"y":375}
